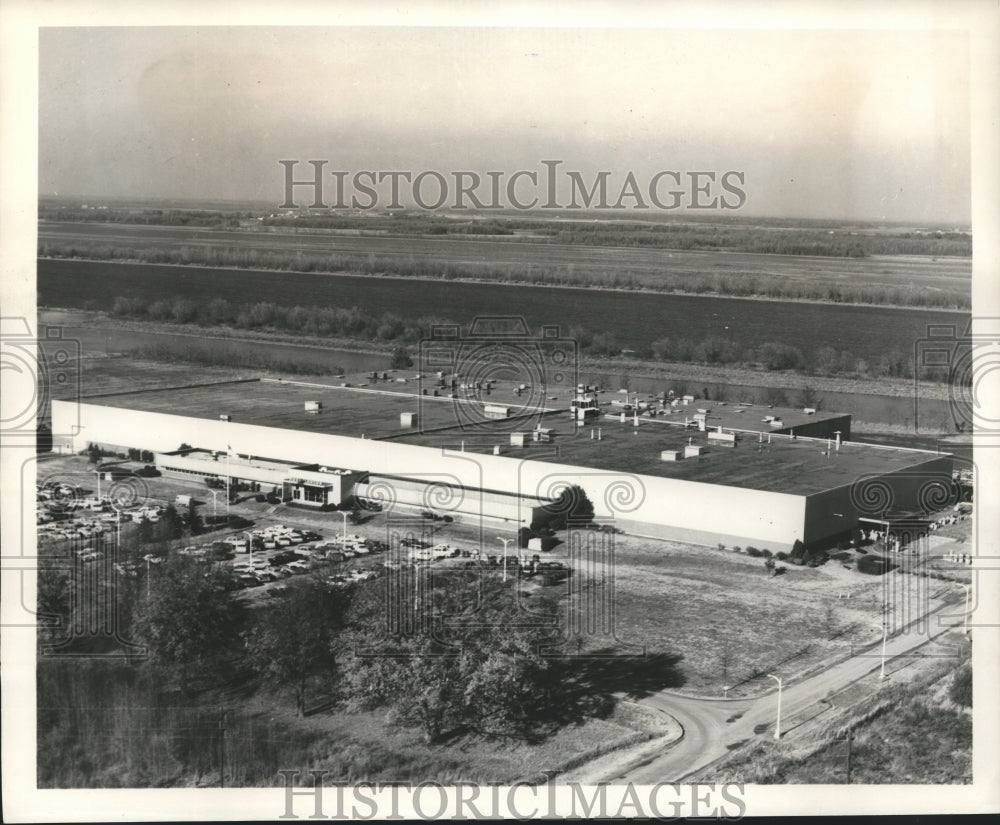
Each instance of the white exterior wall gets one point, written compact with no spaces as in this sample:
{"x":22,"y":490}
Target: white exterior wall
{"x":774,"y":520}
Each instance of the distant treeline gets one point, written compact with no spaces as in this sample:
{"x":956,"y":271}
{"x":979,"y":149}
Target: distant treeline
{"x":226,"y":354}
{"x":773,"y":287}
{"x":772,"y":241}
{"x":359,"y":324}
{"x":844,"y":241}
{"x":145,"y":217}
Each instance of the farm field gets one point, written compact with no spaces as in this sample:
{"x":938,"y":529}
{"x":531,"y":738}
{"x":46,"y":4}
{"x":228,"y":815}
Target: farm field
{"x":887,"y":279}
{"x":634,"y":319}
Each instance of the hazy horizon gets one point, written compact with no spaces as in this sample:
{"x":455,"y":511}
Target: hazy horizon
{"x":838,"y":125}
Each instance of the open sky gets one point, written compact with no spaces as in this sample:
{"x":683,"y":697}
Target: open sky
{"x":831,"y":123}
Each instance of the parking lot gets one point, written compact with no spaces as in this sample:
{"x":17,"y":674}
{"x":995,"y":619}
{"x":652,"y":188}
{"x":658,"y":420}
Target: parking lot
{"x":276,"y":543}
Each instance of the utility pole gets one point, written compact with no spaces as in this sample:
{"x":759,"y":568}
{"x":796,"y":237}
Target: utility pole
{"x":222,"y":748}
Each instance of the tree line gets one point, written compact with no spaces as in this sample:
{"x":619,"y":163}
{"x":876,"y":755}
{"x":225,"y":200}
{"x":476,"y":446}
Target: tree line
{"x":359,"y":324}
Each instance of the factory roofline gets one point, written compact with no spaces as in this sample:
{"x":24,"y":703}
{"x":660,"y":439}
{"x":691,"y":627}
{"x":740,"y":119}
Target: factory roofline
{"x":798,"y":466}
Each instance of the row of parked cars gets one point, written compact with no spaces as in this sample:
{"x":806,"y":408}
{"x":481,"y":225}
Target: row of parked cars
{"x":270,"y":538}
{"x":297,"y":551}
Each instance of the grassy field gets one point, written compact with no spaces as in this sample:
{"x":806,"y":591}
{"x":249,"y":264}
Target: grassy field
{"x":710,"y":619}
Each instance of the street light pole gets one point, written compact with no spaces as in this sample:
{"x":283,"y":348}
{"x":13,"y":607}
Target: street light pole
{"x":249,"y":546}
{"x":885,"y":635}
{"x":777,"y":727}
{"x":505,"y":543}
{"x":343,"y":515}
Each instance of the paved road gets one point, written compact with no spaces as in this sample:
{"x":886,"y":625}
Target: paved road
{"x":707,"y":733}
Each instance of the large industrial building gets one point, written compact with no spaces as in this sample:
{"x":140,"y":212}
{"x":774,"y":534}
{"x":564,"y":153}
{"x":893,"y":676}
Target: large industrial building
{"x":682,"y":469}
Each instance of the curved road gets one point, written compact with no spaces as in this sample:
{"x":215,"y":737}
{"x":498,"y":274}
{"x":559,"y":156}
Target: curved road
{"x":708,"y":735}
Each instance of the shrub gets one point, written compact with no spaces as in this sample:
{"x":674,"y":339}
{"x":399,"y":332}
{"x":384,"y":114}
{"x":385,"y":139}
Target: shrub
{"x":960,"y":691}
{"x":781,"y":555}
{"x":400,"y":358}
{"x":875,"y":565}
{"x":753,"y":551}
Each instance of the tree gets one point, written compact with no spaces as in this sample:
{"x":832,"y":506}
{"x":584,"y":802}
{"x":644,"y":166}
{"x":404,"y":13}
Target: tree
{"x":960,"y":691}
{"x":93,"y":453}
{"x":190,"y":619}
{"x":572,"y":506}
{"x":775,"y":397}
{"x":172,"y":523}
{"x":53,"y":601}
{"x":295,"y":639}
{"x":193,"y":522}
{"x":486,"y":669}
{"x":400,"y":359}
{"x":809,"y":397}
{"x":769,"y":566}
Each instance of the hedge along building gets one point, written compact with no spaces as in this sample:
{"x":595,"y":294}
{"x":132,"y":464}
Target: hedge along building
{"x":657,"y":478}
